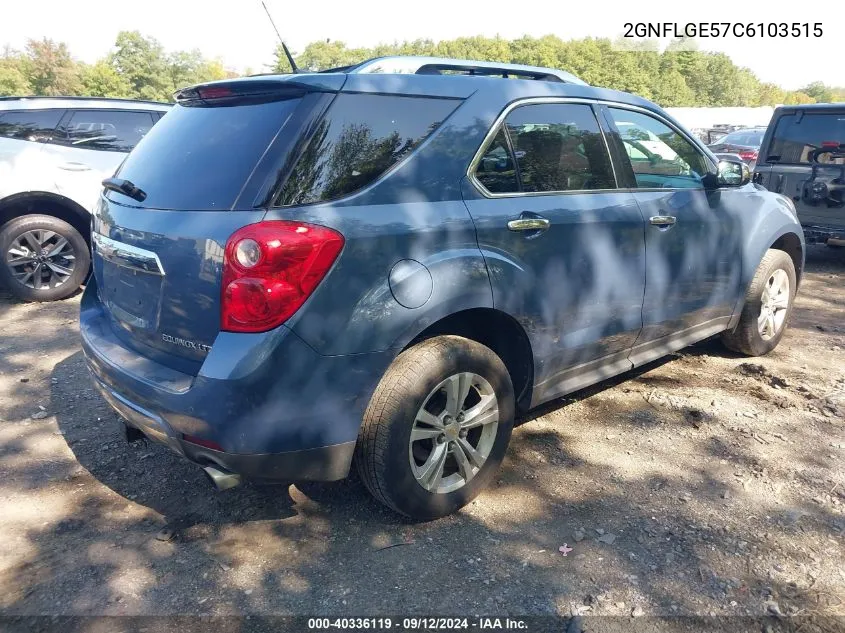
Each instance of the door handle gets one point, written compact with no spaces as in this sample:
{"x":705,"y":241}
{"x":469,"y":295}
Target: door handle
{"x":74,"y":167}
{"x":664,"y":221}
{"x":529,"y":224}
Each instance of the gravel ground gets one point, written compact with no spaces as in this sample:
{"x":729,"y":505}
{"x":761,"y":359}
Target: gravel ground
{"x":703,"y":484}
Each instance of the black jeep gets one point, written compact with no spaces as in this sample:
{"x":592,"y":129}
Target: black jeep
{"x":803,"y":156}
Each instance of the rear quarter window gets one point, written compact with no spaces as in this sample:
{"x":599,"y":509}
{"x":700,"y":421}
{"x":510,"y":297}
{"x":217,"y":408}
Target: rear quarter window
{"x":797,"y":135}
{"x":360,"y":138}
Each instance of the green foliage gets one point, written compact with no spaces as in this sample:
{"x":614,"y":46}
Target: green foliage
{"x":141,"y":60}
{"x":139,"y":67}
{"x":49,"y":68}
{"x":797,"y":98}
{"x":102,"y":80}
{"x":13,"y":77}
{"x":824,"y":94}
{"x":681,"y":75}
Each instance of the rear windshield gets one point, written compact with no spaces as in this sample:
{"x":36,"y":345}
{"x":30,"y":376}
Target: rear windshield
{"x":199,"y":157}
{"x":360,"y":138}
{"x":749,"y":139}
{"x":796,"y":136}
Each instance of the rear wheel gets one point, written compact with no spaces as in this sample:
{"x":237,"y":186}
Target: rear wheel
{"x":768,"y":304}
{"x":437,"y":427}
{"x":43,"y":258}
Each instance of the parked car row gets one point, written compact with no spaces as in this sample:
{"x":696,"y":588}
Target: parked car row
{"x":293,"y":274}
{"x":744,"y":143}
{"x":54,"y":153}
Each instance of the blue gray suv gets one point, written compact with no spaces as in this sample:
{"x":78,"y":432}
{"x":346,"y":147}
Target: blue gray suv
{"x":385,"y":264}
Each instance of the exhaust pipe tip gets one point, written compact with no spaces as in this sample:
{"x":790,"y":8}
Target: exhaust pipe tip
{"x":221,"y":479}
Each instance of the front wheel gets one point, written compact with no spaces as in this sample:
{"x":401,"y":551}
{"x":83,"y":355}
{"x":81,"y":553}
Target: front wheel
{"x":768,"y":304}
{"x":43,"y":258}
{"x":437,"y":427}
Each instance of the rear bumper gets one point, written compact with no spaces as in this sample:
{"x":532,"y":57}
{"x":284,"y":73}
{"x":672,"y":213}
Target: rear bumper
{"x":328,"y":463}
{"x":276,"y":408}
{"x":815,"y":234}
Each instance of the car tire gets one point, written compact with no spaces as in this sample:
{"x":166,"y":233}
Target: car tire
{"x":63,"y":249}
{"x":403,"y":474}
{"x":768,"y":306}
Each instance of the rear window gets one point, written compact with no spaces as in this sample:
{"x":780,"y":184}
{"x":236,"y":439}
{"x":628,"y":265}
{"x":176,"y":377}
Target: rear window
{"x":749,"y":139}
{"x":29,"y":125}
{"x":199,"y":157}
{"x":797,"y":135}
{"x":360,"y":138}
{"x":105,"y":130}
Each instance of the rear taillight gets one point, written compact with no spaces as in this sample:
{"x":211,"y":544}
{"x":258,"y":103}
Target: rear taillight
{"x":270,"y":269}
{"x":748,"y":154}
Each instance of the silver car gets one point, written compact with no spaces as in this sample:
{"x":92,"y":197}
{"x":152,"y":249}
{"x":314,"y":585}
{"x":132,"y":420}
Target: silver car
{"x":54,"y":153}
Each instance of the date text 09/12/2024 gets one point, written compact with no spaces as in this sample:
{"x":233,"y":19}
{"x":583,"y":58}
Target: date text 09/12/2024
{"x":722,"y":29}
{"x":418,"y":624}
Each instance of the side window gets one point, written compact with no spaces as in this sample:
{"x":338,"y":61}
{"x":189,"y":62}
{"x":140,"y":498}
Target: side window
{"x":496,"y":170}
{"x":559,"y":147}
{"x":796,"y":137}
{"x":105,"y":130}
{"x":660,"y":156}
{"x":359,"y":138}
{"x":29,"y":125}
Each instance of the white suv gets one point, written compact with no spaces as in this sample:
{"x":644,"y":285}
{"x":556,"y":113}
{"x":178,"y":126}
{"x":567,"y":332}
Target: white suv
{"x":54,"y":153}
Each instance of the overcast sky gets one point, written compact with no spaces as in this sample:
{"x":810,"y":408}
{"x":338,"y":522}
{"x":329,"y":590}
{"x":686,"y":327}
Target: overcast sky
{"x":239,"y":33}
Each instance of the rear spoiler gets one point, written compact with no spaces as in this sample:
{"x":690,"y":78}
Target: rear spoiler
{"x":260,"y":87}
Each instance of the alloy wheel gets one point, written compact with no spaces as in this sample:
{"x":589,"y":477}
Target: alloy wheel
{"x":41,"y":258}
{"x":454,"y":432}
{"x":774,"y":305}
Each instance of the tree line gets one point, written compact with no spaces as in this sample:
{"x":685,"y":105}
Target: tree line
{"x":139,"y":67}
{"x":678,"y":76}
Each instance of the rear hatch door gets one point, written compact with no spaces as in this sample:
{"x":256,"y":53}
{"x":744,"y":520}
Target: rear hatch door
{"x":785,"y":164}
{"x":202,"y":172}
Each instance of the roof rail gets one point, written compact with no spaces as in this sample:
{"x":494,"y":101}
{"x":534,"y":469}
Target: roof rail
{"x":78,"y":98}
{"x":412,"y":65}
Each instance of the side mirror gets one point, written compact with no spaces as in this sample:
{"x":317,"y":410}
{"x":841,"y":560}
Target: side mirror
{"x":733,"y":173}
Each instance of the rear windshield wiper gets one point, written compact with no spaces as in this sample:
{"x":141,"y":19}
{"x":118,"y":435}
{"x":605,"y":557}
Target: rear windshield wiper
{"x":125,"y":187}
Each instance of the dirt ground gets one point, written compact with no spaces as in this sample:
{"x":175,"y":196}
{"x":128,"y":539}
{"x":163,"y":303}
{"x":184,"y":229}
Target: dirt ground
{"x":704,"y":484}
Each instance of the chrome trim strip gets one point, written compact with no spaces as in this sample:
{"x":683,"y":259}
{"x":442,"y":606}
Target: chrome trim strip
{"x":491,"y":134}
{"x":127,"y":255}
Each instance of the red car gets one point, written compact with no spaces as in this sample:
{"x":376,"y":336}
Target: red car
{"x":744,"y":143}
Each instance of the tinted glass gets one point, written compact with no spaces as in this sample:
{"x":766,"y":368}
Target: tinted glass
{"x":360,"y":138}
{"x":559,"y":148}
{"x":660,"y":156}
{"x":749,"y":139}
{"x":29,"y":125}
{"x":199,"y":158}
{"x":496,"y":170}
{"x":105,"y":130}
{"x":794,"y":139}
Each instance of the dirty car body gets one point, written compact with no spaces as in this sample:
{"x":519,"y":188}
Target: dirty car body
{"x":423,"y":223}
